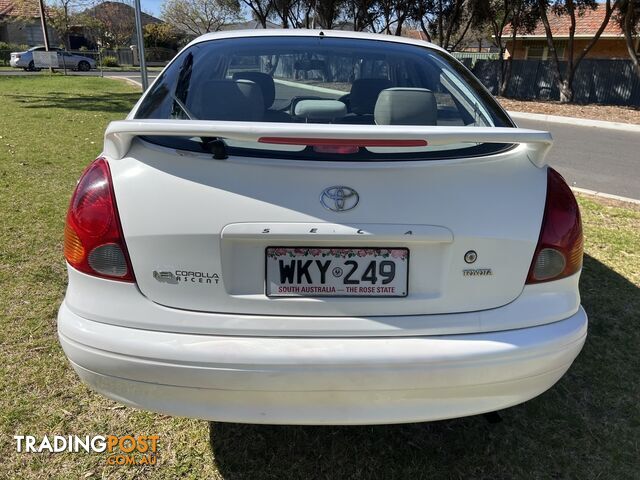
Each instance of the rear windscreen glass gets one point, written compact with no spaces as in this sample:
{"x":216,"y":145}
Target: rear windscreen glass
{"x":321,"y":80}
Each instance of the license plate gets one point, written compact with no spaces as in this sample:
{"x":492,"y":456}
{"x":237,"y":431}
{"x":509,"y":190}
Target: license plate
{"x":336,"y":272}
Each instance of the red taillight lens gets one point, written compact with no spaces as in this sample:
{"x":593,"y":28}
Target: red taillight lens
{"x":559,"y":250}
{"x":93,"y":240}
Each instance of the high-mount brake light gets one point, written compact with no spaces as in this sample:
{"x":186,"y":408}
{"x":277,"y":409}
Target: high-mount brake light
{"x":343,"y":142}
{"x":559,"y":250}
{"x":341,"y":149}
{"x":93,"y":240}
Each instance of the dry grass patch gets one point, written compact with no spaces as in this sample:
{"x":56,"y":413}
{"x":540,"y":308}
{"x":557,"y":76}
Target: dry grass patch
{"x":609,"y":113}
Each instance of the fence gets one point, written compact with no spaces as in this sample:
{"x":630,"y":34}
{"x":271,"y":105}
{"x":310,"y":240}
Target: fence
{"x":469,"y":59}
{"x":121,"y":57}
{"x":610,"y":82}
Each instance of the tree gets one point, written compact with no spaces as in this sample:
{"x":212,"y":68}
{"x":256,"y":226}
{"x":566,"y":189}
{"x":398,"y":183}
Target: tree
{"x":300,"y":13}
{"x":198,"y":17}
{"x":111,"y":24}
{"x":520,"y":16}
{"x":261,"y":10}
{"x":447,"y":22}
{"x":327,"y":12}
{"x":392,"y":15}
{"x":572,"y":8}
{"x":284,"y":11}
{"x":162,"y":35}
{"x":363,"y":13}
{"x":629,"y":19}
{"x":61,"y":16}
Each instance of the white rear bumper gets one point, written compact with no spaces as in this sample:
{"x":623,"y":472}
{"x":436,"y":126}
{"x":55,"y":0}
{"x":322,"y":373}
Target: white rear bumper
{"x":320,"y":380}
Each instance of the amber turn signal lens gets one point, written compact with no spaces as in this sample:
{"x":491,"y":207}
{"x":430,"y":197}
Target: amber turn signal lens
{"x":73,"y":249}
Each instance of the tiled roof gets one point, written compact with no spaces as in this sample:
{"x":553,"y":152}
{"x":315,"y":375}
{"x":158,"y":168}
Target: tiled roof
{"x":415,"y":34}
{"x":28,"y":8}
{"x":586,"y":24}
{"x":118,"y":9}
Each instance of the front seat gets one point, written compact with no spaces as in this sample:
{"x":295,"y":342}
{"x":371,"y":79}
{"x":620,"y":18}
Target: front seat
{"x":362,"y":99}
{"x":406,"y":106}
{"x":233,"y":100}
{"x":268,"y":88}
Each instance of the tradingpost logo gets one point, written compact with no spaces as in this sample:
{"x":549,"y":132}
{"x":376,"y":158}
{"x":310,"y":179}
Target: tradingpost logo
{"x":121,"y":449}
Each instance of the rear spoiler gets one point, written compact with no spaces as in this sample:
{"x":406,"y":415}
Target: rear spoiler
{"x":120,"y":134}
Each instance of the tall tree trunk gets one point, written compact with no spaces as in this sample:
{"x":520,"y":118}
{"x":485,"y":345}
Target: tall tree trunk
{"x":401,"y":20}
{"x":440,"y":26}
{"x":506,"y":73}
{"x":462,"y":35}
{"x":453,"y":23}
{"x":424,"y":29}
{"x":628,"y":36}
{"x":565,"y":82}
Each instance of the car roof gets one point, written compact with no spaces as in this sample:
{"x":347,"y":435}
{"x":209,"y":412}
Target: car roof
{"x":301,"y":32}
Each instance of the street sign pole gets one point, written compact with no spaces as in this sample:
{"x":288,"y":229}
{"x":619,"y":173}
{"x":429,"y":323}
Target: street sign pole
{"x":143,"y":63}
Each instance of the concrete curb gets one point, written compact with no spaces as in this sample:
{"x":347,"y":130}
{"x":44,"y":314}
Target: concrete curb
{"x":579,"y":122}
{"x":125,"y":79}
{"x":593,"y":193}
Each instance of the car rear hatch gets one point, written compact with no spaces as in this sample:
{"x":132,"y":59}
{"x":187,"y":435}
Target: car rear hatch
{"x":461,"y":231}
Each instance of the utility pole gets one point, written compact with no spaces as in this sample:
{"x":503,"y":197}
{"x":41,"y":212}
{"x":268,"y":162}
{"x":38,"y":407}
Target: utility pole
{"x":45,"y":33}
{"x":143,"y":63}
{"x":43,"y":22}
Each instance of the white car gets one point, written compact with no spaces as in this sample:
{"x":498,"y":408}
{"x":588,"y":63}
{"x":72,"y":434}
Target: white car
{"x":66,"y":59}
{"x":307,"y":227}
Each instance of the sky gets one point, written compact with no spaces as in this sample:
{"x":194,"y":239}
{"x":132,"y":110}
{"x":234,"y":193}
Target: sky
{"x":151,"y":6}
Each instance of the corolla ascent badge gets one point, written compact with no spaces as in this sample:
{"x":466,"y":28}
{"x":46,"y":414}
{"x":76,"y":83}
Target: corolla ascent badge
{"x":339,"y":198}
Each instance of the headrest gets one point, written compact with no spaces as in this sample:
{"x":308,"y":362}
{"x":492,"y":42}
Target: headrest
{"x":364,"y":93}
{"x":235,"y":100}
{"x":320,"y":110}
{"x":406,"y":106}
{"x":264,"y":81}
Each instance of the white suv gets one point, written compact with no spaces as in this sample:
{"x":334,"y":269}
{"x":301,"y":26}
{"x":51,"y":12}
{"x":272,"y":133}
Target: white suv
{"x":306,"y":227}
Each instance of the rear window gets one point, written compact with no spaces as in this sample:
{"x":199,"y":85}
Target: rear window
{"x":321,"y":80}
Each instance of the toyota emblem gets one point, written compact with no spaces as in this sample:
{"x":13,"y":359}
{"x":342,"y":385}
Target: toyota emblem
{"x":339,"y":198}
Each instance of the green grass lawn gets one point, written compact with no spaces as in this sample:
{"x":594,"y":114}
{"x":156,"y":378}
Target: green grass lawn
{"x":587,"y":426}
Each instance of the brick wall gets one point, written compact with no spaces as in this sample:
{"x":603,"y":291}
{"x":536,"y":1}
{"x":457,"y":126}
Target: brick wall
{"x":605,"y":48}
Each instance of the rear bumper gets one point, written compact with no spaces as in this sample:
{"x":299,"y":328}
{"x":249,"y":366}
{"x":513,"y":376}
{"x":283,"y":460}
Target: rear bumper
{"x":320,"y":380}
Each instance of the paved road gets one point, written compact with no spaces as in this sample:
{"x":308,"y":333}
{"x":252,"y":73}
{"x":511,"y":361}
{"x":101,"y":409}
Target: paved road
{"x":594,"y":158}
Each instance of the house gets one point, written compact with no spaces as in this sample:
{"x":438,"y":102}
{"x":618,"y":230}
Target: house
{"x":474,"y":42}
{"x":116,"y":25}
{"x":533,"y":46}
{"x":20,"y":24}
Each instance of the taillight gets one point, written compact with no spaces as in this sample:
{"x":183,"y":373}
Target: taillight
{"x":559,"y":250}
{"x":93,"y":240}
